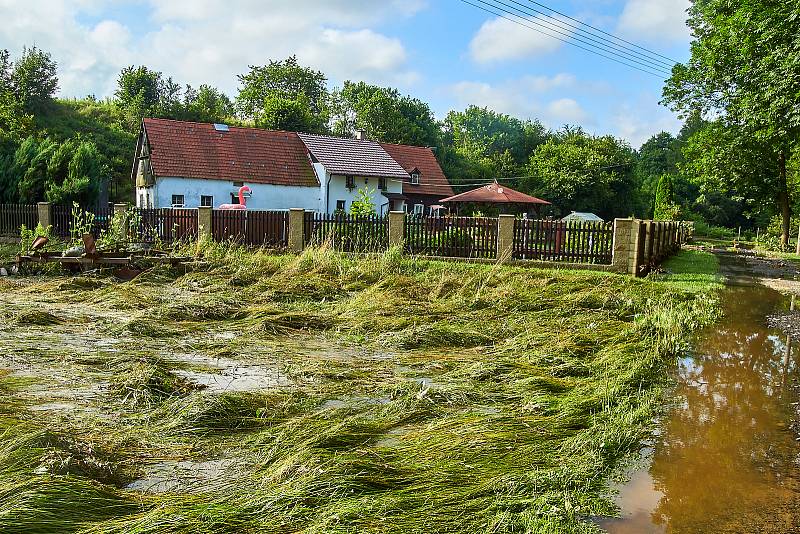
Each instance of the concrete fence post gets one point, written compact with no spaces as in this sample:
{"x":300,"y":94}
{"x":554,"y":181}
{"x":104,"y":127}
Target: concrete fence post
{"x":45,"y":214}
{"x":397,"y":228}
{"x":505,"y":237}
{"x":296,"y":238}
{"x":619,"y":247}
{"x":204,"y":223}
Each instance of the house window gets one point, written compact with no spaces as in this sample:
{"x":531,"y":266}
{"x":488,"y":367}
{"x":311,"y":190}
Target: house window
{"x":381,"y":184}
{"x":350,"y":182}
{"x":206,"y":201}
{"x":419,"y":209}
{"x":177,"y":201}
{"x":238,"y":184}
{"x":415,"y":176}
{"x":141,"y":201}
{"x":340,"y":205}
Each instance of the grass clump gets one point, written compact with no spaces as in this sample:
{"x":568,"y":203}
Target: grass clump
{"x":37,"y":318}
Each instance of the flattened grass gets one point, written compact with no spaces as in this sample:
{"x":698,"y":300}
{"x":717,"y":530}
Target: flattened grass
{"x":449,"y":397}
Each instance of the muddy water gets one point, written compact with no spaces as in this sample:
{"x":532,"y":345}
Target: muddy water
{"x":726,"y":459}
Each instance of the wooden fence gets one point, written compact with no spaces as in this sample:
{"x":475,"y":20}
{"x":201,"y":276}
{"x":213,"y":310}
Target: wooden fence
{"x":166,"y":225}
{"x":348,"y":233}
{"x":254,"y":228}
{"x":573,"y":241}
{"x":460,"y":237}
{"x":627,"y":245}
{"x":14,"y":216}
{"x":63,"y":219}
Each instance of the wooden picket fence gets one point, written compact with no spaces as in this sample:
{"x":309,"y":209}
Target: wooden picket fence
{"x":14,"y":216}
{"x":348,"y":233}
{"x":253,"y":228}
{"x":572,"y":241}
{"x":167,"y":225}
{"x":63,"y":219}
{"x":459,"y":237}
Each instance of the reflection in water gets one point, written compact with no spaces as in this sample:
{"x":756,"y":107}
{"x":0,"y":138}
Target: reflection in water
{"x":726,"y":460}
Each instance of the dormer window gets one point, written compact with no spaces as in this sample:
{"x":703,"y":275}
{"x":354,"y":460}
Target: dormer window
{"x":415,"y":177}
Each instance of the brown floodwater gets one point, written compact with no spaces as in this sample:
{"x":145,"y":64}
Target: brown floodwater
{"x":726,"y":458}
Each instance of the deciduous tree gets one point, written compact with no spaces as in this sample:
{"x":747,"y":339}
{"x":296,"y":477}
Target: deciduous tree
{"x":745,"y":68}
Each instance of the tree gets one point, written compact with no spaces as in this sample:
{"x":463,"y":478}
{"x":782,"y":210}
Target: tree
{"x":206,"y":104}
{"x":81,"y":181}
{"x":579,"y":172}
{"x":280,"y":113}
{"x":33,"y":79}
{"x":384,"y":114}
{"x":665,"y":208}
{"x":138,"y":94}
{"x":286,"y":80}
{"x":363,"y":206}
{"x":744,"y":68}
{"x":658,"y":156}
{"x":726,"y":162}
{"x":31,"y":161}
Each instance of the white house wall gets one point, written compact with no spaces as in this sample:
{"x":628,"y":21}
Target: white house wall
{"x":337,"y":190}
{"x":263,"y":197}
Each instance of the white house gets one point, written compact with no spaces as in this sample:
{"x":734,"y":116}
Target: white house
{"x":187,"y":164}
{"x":343,"y":166}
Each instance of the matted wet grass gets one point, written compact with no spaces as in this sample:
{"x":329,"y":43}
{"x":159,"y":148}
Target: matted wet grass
{"x":321,"y":393}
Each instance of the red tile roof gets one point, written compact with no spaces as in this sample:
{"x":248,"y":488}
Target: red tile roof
{"x":353,"y":157}
{"x":197,"y":150}
{"x":432,"y":179}
{"x":495,"y":194}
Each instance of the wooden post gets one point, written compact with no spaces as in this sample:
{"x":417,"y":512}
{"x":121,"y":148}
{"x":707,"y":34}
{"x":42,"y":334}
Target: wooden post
{"x":297,"y":219}
{"x":397,"y":228}
{"x":204,"y":223}
{"x":505,"y":237}
{"x":649,"y":240}
{"x":45,"y":214}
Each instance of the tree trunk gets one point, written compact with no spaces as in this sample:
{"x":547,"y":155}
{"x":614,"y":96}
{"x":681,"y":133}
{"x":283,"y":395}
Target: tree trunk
{"x":783,"y":200}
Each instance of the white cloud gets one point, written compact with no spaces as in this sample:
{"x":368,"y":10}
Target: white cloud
{"x":210,"y":41}
{"x":532,"y":97}
{"x":655,"y":20}
{"x":502,"y":39}
{"x":630,"y":124}
{"x":567,"y":111}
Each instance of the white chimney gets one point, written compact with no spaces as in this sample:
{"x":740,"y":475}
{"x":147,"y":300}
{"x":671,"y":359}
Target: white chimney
{"x":361,"y":135}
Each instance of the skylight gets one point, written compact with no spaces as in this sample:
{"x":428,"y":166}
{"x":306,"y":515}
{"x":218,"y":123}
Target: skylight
{"x":221,"y":127}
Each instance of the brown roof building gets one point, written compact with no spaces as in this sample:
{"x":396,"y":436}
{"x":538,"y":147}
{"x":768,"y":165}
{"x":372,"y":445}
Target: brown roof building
{"x":426,"y":183}
{"x":199,"y":150}
{"x":188,"y":164}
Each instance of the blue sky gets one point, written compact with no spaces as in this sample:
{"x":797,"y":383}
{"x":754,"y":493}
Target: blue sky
{"x":445,"y":52}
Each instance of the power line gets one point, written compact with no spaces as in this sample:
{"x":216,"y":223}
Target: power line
{"x":649,"y":56}
{"x":660,"y":73}
{"x":672,"y":61}
{"x":568,"y":37}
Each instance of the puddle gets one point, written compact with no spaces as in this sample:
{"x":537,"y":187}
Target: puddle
{"x":186,"y":476}
{"x":725,"y":457}
{"x":236,"y":379}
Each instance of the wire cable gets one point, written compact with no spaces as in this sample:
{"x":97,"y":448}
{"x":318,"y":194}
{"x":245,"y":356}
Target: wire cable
{"x":568,"y":37}
{"x":501,"y":15}
{"x":599,"y":39}
{"x":672,"y":61}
